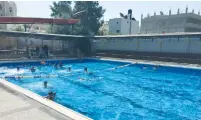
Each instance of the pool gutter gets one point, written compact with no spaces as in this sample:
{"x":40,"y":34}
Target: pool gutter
{"x":53,"y":105}
{"x":145,"y":62}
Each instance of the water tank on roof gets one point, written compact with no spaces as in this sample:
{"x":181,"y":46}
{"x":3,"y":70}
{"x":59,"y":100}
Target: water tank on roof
{"x":129,"y":11}
{"x":129,"y":14}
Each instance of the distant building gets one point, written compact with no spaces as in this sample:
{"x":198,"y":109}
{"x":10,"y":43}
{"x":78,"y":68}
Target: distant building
{"x":7,"y":9}
{"x":124,"y":25}
{"x":180,"y":22}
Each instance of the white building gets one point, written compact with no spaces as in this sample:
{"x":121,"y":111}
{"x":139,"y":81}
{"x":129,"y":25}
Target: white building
{"x":7,"y":9}
{"x":123,"y":26}
{"x":180,"y":22}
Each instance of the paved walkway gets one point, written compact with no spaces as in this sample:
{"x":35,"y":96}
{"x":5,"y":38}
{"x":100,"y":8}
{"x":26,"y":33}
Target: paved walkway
{"x":15,"y":106}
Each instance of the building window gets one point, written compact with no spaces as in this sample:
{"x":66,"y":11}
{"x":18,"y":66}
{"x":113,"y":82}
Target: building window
{"x":117,"y":22}
{"x":11,"y":10}
{"x":117,"y":31}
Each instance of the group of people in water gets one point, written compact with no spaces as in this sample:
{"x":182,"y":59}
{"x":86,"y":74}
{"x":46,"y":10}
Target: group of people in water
{"x":33,"y":69}
{"x":51,"y":95}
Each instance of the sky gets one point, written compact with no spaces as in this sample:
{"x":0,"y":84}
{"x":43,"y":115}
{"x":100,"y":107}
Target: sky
{"x":113,"y":8}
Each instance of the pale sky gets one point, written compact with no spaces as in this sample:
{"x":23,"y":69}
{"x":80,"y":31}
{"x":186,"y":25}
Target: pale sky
{"x":42,"y":8}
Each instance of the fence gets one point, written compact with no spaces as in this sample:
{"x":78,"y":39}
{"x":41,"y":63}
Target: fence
{"x":16,"y":47}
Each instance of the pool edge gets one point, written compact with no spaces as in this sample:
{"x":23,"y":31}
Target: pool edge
{"x":52,"y":105}
{"x":165,"y":64}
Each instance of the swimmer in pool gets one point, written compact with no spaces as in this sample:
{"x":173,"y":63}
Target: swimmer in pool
{"x":32,"y":69}
{"x":144,"y":68}
{"x":42,"y":62}
{"x":156,"y":67}
{"x":56,"y":65}
{"x":81,"y":78}
{"x":69,"y":69}
{"x":18,"y":68}
{"x":60,"y":64}
{"x":85,"y":70}
{"x":51,"y":95}
{"x":45,"y":84}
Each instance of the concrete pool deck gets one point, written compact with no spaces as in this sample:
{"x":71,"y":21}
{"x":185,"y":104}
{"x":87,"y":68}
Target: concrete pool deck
{"x":17,"y":103}
{"x":16,"y":106}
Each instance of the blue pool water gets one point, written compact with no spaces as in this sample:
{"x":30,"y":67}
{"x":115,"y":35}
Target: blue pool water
{"x":128,"y":93}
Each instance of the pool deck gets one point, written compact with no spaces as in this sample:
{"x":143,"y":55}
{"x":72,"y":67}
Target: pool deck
{"x":16,"y":106}
{"x":17,"y":103}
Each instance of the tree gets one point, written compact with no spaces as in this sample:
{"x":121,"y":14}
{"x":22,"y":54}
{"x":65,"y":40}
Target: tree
{"x":103,"y":30}
{"x":61,"y":9}
{"x":91,"y":18}
{"x":90,"y":14}
{"x":17,"y":28}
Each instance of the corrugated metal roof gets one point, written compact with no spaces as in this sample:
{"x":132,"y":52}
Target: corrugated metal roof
{"x":64,"y":37}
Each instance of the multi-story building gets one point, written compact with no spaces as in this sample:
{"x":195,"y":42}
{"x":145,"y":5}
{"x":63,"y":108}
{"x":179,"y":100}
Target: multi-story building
{"x":7,"y":9}
{"x":124,"y":25}
{"x":180,"y":22}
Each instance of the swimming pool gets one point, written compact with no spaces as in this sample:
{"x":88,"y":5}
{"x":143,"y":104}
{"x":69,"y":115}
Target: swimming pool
{"x":136,"y":91}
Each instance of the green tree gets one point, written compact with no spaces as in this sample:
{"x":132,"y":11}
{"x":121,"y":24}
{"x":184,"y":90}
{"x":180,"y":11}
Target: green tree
{"x":91,"y":18}
{"x":61,"y":9}
{"x":103,"y":30}
{"x":18,"y":28}
{"x":90,"y":14}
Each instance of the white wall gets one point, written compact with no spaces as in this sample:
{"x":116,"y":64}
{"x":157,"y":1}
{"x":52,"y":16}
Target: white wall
{"x":169,"y":23}
{"x":135,"y":27}
{"x":170,"y":45}
{"x":114,"y":25}
{"x":149,"y":45}
{"x":123,"y":25}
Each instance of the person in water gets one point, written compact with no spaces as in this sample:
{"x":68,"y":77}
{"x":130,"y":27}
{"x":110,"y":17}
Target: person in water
{"x":144,"y":68}
{"x":86,"y":71}
{"x":32,"y":69}
{"x":60,"y":64}
{"x":18,"y":68}
{"x":56,"y":65}
{"x":43,"y":62}
{"x":51,"y":95}
{"x":69,"y":69}
{"x":156,"y":67}
{"x":45,"y":84}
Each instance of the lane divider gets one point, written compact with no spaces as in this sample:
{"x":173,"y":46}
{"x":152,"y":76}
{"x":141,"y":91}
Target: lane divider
{"x":121,"y":66}
{"x":35,"y":76}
